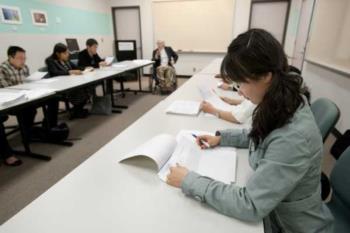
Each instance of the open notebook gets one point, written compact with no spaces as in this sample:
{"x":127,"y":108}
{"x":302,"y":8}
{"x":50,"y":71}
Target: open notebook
{"x":165,"y":150}
{"x":184,"y":107}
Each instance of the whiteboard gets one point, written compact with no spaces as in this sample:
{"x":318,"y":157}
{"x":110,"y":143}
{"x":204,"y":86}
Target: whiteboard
{"x":194,"y":25}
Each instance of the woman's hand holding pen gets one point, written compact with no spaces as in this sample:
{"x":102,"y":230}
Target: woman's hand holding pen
{"x":212,"y":141}
{"x":178,"y":173}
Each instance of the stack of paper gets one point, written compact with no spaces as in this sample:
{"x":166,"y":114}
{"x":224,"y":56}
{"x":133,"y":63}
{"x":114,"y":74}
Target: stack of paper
{"x":36,"y":76}
{"x":141,"y":61}
{"x":109,"y":60}
{"x":8,"y":98}
{"x":183,"y":107}
{"x":37,"y":93}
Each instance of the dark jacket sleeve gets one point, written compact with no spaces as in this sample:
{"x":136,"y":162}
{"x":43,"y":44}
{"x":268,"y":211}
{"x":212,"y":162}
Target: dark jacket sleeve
{"x":74,"y":66}
{"x":173,"y":54}
{"x":157,"y":60}
{"x":82,"y":62}
{"x":54,"y":69}
{"x":98,"y":59}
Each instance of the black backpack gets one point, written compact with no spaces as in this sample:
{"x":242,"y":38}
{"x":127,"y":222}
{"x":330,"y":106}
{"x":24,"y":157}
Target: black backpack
{"x":58,"y":133}
{"x":341,"y":144}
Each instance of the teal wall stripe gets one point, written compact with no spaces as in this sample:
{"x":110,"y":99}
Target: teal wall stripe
{"x":73,"y":21}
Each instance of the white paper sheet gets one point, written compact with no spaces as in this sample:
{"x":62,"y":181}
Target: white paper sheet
{"x":46,"y":80}
{"x":8,"y":98}
{"x":184,"y":107}
{"x":218,"y":163}
{"x":35,"y":76}
{"x":109,"y":60}
{"x":37,"y":93}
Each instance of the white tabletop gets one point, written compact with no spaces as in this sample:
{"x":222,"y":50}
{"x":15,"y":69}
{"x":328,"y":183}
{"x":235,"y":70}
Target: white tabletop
{"x":23,"y":101}
{"x":213,"y":67}
{"x":66,"y":82}
{"x":102,"y":195}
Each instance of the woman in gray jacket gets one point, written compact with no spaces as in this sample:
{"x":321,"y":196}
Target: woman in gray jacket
{"x":285,"y":145}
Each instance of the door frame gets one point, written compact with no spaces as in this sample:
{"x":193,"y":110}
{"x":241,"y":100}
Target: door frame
{"x":115,"y":24}
{"x":307,"y":34}
{"x":270,"y":1}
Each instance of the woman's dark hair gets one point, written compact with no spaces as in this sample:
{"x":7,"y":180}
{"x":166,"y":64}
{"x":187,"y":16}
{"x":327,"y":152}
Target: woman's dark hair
{"x":253,"y":55}
{"x":59,"y":48}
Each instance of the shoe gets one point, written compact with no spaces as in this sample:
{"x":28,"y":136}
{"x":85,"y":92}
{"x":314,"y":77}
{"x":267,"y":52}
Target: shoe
{"x":17,"y":163}
{"x":81,"y":113}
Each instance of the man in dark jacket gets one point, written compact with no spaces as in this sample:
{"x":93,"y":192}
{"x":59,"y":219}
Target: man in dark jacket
{"x":89,"y":57}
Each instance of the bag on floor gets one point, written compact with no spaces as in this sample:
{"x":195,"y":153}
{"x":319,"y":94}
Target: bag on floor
{"x":341,"y":144}
{"x":168,"y":81}
{"x":102,"y":105}
{"x":58,"y":133}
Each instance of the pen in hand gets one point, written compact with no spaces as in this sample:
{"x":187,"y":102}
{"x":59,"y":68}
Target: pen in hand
{"x":202,"y":141}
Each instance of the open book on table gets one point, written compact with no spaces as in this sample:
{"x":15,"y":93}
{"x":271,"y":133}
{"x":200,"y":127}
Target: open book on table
{"x":166,"y":150}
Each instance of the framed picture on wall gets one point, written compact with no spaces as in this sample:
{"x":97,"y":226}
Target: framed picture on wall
{"x":10,"y":14}
{"x":39,"y":17}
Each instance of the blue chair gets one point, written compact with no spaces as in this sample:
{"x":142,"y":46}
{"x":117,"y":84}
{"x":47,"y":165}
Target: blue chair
{"x":340,"y":202}
{"x":326,"y":114}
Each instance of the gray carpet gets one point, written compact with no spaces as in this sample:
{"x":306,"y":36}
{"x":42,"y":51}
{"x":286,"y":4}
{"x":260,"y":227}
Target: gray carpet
{"x":21,"y":185}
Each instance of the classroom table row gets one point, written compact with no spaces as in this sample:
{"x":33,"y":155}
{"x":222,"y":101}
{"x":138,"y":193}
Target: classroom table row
{"x":102,"y":195}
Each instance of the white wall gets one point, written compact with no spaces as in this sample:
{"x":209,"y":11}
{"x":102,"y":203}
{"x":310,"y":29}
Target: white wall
{"x":189,"y":63}
{"x":38,"y":47}
{"x":329,"y":47}
{"x":343,"y":51}
{"x":327,"y":28}
{"x":332,"y":85}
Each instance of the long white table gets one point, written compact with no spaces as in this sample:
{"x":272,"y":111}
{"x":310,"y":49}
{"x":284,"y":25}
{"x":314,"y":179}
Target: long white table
{"x":102,"y":195}
{"x":213,"y":68}
{"x":66,"y":82}
{"x":61,"y":84}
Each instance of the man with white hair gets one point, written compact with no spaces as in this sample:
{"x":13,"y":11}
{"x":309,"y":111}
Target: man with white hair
{"x":163,"y":68}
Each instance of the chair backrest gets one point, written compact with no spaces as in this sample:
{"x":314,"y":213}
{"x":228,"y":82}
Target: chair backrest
{"x":43,"y":69}
{"x":326,"y":114}
{"x":340,"y":179}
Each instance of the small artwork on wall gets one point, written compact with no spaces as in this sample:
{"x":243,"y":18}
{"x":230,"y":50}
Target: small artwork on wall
{"x":10,"y":14}
{"x":39,"y":18}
